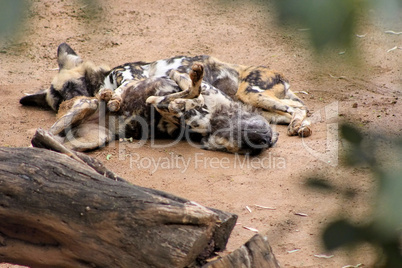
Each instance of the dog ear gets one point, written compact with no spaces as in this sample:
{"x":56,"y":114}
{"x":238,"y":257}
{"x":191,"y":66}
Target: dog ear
{"x":66,"y":57}
{"x":36,"y":99}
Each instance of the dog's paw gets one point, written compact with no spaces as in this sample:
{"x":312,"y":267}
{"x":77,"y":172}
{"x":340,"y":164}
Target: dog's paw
{"x":294,"y":127}
{"x":298,"y":128}
{"x":177,"y":106}
{"x":153,"y":100}
{"x":197,"y":72}
{"x":114,"y":105}
{"x":304,"y":132}
{"x":105,"y":94}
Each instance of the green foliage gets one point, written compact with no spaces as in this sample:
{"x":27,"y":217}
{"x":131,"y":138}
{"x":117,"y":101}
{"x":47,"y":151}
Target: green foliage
{"x":329,"y":21}
{"x":320,"y":184}
{"x":11,"y":15}
{"x":360,"y":153}
{"x":351,"y":134}
{"x":383,"y":227}
{"x":340,"y":233}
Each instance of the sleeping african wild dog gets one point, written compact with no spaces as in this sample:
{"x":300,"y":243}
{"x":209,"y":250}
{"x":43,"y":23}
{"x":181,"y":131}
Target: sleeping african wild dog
{"x":257,"y":86}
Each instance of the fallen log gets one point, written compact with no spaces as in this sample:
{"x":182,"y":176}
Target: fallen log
{"x":226,"y":221}
{"x":56,"y":211}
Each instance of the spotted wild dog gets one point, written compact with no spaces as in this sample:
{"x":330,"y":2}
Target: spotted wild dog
{"x":182,"y":106}
{"x":253,"y":85}
{"x":256,"y":86}
{"x":226,"y":125}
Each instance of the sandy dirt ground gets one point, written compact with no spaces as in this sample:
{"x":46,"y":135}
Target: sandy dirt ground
{"x":368,"y":92}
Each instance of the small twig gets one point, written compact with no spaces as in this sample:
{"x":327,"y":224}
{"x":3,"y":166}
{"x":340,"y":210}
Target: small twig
{"x":295,"y":250}
{"x":352,"y":266}
{"x":271,"y":208}
{"x":392,"y":32}
{"x":301,"y":214}
{"x":302,"y":91}
{"x":323,"y":256}
{"x":251,"y":229}
{"x":338,"y":77}
{"x":394,"y":48}
{"x":248,"y":208}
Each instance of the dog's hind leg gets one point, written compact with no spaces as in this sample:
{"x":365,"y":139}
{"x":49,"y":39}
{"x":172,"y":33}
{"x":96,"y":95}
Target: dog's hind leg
{"x":73,"y":112}
{"x":78,"y":126}
{"x":277,"y":117}
{"x":190,"y":89}
{"x":280,"y":111}
{"x":189,"y":98}
{"x":88,"y":136}
{"x":299,"y":125}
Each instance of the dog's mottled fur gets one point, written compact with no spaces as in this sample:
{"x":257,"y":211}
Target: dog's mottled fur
{"x":182,"y":105}
{"x":226,"y":125}
{"x":259,"y":87}
{"x":129,"y":85}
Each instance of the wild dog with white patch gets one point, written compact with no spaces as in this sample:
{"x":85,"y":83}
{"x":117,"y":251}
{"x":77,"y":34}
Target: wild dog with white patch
{"x":225,"y":124}
{"x":191,"y":105}
{"x":257,"y":86}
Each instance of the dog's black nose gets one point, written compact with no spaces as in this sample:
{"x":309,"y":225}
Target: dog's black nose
{"x":255,"y":142}
{"x":264,"y":141}
{"x":258,"y":139}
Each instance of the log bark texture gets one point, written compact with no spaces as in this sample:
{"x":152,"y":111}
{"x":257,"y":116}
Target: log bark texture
{"x":256,"y":253}
{"x":56,"y":211}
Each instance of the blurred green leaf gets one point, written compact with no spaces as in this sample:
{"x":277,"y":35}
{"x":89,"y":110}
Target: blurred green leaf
{"x":351,"y":134}
{"x":388,"y":9}
{"x":11,"y":14}
{"x":319,"y":184}
{"x":340,"y":233}
{"x":388,"y":213}
{"x":394,"y":255}
{"x":384,"y":156}
{"x":329,"y":21}
{"x":357,"y":156}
